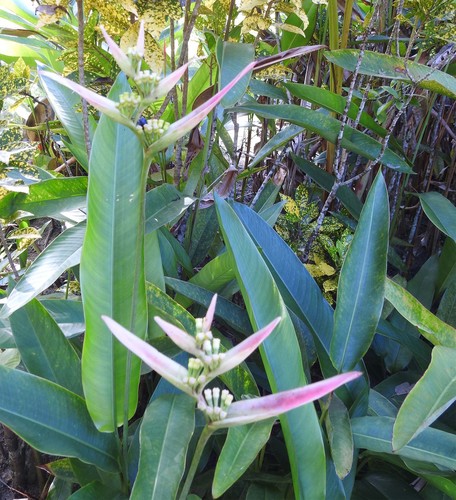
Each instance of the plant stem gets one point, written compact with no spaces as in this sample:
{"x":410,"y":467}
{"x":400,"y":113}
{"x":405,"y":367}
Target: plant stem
{"x":202,"y":441}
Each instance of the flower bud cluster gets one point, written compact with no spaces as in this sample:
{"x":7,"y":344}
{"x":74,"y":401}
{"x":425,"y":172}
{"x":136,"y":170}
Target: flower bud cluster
{"x":135,"y":56}
{"x":153,"y":130}
{"x":196,"y":377}
{"x":209,"y":346}
{"x":215,"y":404}
{"x":146,"y":81}
{"x":128,"y":104}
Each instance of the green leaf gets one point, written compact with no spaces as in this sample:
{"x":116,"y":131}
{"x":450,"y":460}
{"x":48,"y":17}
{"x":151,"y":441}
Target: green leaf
{"x":65,"y":102}
{"x":447,"y":307}
{"x":31,"y":49}
{"x":280,"y":353}
{"x":48,"y":198}
{"x":112,"y":269}
{"x":361,"y":283}
{"x":166,"y":429}
{"x":447,"y":266}
{"x":300,"y":293}
{"x":432,"y":445}
{"x":203,"y":231}
{"x":429,"y":398}
{"x":328,"y":128}
{"x":44,"y":349}
{"x":241,"y":447}
{"x":440,"y":211}
{"x":430,"y":326}
{"x":333,"y":102}
{"x":339,"y":436}
{"x":232,"y":314}
{"x":96,"y":489}
{"x":277,"y":141}
{"x":232,"y":58}
{"x":395,"y":68}
{"x":163,"y":205}
{"x":260,"y":491}
{"x":64,"y":252}
{"x":68,"y":314}
{"x":53,"y":420}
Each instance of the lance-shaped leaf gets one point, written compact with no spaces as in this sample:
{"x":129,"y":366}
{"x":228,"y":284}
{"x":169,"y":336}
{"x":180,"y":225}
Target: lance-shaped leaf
{"x":99,"y":102}
{"x":173,"y":372}
{"x":256,"y":409}
{"x":185,"y":124}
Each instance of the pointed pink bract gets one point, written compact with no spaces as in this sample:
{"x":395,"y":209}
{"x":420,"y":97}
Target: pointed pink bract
{"x":119,"y":55}
{"x":170,"y":370}
{"x":256,"y":409}
{"x":182,"y":339}
{"x":209,"y":318}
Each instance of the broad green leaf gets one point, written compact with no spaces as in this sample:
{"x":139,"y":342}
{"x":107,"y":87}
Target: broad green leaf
{"x":328,"y":128}
{"x":447,"y":307}
{"x":280,"y":353}
{"x":324,"y":179}
{"x":301,"y":295}
{"x":54,"y":198}
{"x":232,"y":314}
{"x":333,"y":102}
{"x":166,"y":307}
{"x":277,"y":141}
{"x":430,"y":326}
{"x":429,"y":398}
{"x":65,"y":103}
{"x":262,"y":491}
{"x":44,"y":349}
{"x":361,"y":283}
{"x":440,"y":211}
{"x":10,"y":358}
{"x":241,"y":447}
{"x":202,"y":234}
{"x":447,"y":266}
{"x":64,"y":252}
{"x":68,"y":314}
{"x":53,"y":420}
{"x":97,"y":489}
{"x":339,"y":436}
{"x":432,"y":445}
{"x":395,"y":68}
{"x":297,"y":287}
{"x":163,"y":205}
{"x":31,"y":49}
{"x":166,"y":429}
{"x":419,"y":348}
{"x":232,"y":58}
{"x":112,"y":269}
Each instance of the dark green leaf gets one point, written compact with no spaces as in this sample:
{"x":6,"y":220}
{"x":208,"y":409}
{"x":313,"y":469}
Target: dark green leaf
{"x":361,"y":283}
{"x":53,"y":420}
{"x":166,"y":429}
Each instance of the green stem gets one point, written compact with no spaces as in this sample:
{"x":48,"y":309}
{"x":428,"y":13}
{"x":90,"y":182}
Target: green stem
{"x":202,"y":441}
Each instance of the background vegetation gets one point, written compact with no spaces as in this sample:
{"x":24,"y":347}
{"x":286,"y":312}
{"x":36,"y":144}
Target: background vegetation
{"x":321,"y":189}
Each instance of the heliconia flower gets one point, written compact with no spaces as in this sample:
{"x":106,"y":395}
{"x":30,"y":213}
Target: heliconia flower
{"x":173,"y":372}
{"x":181,"y":127}
{"x":99,"y":102}
{"x":196,"y":345}
{"x":252,"y":410}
